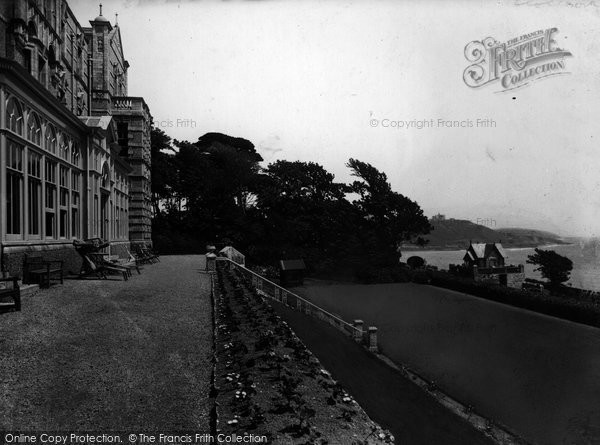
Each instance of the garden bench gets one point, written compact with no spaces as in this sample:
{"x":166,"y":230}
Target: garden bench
{"x":40,"y":271}
{"x":13,"y":293}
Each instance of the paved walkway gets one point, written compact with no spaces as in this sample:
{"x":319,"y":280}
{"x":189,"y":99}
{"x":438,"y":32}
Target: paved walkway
{"x":111,"y":355}
{"x":386,"y":395}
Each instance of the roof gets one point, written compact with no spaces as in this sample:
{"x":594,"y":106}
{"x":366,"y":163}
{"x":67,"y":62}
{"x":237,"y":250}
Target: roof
{"x":501,"y":250}
{"x":479,"y":249}
{"x":292,"y":264}
{"x":483,"y":250}
{"x":101,"y":122}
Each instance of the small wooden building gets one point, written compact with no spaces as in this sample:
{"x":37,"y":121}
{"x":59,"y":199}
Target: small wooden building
{"x":291,"y":272}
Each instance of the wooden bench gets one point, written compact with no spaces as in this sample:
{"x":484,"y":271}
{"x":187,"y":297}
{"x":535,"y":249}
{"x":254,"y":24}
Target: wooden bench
{"x":13,"y":293}
{"x":40,"y":271}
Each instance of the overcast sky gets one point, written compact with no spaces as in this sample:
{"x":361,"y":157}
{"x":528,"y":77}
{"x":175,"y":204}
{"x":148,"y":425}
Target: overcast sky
{"x":315,"y":81}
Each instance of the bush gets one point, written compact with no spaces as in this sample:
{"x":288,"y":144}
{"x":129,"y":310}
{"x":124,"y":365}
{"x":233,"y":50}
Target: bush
{"x":420,"y":277}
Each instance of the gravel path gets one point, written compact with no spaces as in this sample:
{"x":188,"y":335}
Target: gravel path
{"x":111,"y":355}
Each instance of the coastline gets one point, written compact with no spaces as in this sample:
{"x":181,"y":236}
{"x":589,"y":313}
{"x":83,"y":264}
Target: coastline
{"x":457,"y":248}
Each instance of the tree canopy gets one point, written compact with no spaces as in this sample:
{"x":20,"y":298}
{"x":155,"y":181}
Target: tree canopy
{"x":215,"y":191}
{"x":553,"y":267}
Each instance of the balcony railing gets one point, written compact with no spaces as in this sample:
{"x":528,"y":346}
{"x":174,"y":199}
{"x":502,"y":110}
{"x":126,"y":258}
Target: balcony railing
{"x":128,"y":103}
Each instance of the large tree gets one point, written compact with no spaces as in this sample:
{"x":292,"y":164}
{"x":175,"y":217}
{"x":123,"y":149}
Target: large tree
{"x":304,"y":213}
{"x":389,"y":218}
{"x":554,"y":267}
{"x":164,"y":171}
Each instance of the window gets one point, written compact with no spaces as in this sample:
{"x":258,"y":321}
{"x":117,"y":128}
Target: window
{"x":123,"y":137}
{"x":34,"y":129}
{"x":34,"y":201}
{"x":63,"y":148}
{"x":105,"y":176}
{"x":50,"y":139}
{"x":100,"y":43}
{"x":50,"y":199}
{"x":63,"y":202}
{"x":14,"y":186}
{"x":14,"y":116}
{"x":75,"y":154}
{"x":75,"y":223}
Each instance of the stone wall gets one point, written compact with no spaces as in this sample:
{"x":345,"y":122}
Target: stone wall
{"x":515,"y":280}
{"x":512,"y":279}
{"x":13,"y":257}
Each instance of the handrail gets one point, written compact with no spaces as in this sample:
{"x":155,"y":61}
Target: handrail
{"x":329,"y":314}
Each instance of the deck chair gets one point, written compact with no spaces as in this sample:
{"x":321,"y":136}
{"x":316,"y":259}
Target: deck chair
{"x":96,"y":264}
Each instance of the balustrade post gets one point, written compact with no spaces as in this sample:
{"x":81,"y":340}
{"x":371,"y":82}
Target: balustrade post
{"x":373,"y":339}
{"x":211,"y":262}
{"x":358,"y":333}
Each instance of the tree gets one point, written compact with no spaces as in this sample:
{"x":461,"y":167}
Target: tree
{"x":554,"y":267}
{"x":389,"y":218}
{"x":164,"y":170}
{"x":304,"y":213}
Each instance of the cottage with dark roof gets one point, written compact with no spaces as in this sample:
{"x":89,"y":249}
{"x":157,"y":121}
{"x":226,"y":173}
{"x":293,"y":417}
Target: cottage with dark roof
{"x":485,"y":255}
{"x":489,"y":262}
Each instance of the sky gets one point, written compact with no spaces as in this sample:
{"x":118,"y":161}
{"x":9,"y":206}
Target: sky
{"x":326,"y":81}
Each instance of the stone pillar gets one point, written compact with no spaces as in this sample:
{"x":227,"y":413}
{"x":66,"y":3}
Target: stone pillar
{"x":373,"y":339}
{"x":358,"y":333}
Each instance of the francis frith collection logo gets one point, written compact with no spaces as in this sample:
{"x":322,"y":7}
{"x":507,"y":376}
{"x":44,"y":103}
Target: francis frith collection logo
{"x":516,"y":62}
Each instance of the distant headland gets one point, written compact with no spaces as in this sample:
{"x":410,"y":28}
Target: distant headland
{"x":456,"y":234}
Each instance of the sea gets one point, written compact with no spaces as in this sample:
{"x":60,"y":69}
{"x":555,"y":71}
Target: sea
{"x":584,"y":253}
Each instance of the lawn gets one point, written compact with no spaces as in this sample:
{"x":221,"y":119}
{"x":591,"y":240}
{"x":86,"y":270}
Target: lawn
{"x":536,"y":374}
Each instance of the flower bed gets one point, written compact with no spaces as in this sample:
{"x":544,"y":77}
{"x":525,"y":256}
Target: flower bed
{"x":268,"y":383}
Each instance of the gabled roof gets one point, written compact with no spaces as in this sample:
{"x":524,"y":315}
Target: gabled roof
{"x":501,"y":250}
{"x":478,"y":250}
{"x":483,"y":250}
{"x":292,"y":264}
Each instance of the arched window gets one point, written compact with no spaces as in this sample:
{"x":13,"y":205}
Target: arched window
{"x":34,"y":129}
{"x":14,"y":116}
{"x":63,"y":147}
{"x":50,"y":139}
{"x":105,"y":176}
{"x":75,"y":154}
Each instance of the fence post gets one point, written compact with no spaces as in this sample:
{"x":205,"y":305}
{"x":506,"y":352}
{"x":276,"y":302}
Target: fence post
{"x":284,"y":298}
{"x":211,"y":262}
{"x":299,"y":304}
{"x":358,"y":333}
{"x":277,"y":293}
{"x":373,"y":339}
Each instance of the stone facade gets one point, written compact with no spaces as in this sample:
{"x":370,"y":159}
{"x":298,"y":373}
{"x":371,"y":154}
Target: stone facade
{"x":74,"y":147}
